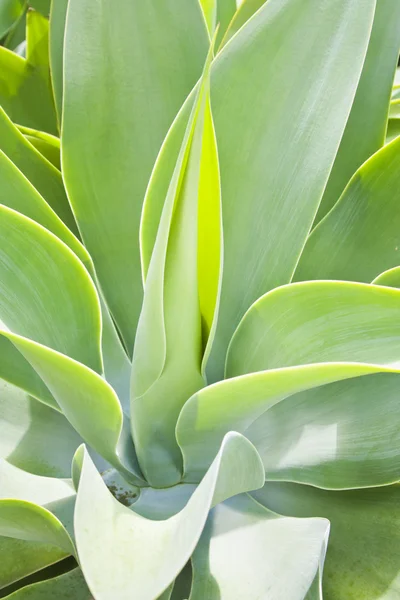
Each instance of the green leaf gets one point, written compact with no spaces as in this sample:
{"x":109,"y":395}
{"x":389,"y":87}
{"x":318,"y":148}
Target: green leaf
{"x":366,"y":128}
{"x":364,"y":545}
{"x":225,"y":11}
{"x":209,"y":8}
{"x":48,"y":145}
{"x":390,"y":278}
{"x":33,"y":436}
{"x":245,"y":11}
{"x":43,"y":6}
{"x":166,"y":33}
{"x":350,"y":330}
{"x":168,"y":350}
{"x":345,"y":244}
{"x":10,"y":12}
{"x":31,"y":522}
{"x":246,"y":551}
{"x":58,"y":17}
{"x":25,"y":87}
{"x":313,"y":78}
{"x":68,"y":586}
{"x":42,"y":175}
{"x":126,"y":543}
{"x":317,"y":322}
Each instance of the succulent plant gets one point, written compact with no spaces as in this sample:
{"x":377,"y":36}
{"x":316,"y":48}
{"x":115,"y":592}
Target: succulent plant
{"x":199,"y":320}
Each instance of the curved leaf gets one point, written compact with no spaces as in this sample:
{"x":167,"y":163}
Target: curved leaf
{"x":321,"y":321}
{"x":96,"y":59}
{"x":167,"y":356}
{"x":127,"y":543}
{"x":313,"y":77}
{"x":68,"y":586}
{"x":58,"y":17}
{"x":25,"y":88}
{"x":362,"y":560}
{"x":46,"y":179}
{"x":366,"y":128}
{"x":346,"y":241}
{"x":390,"y":278}
{"x":245,"y":11}
{"x":10,"y":12}
{"x":48,"y":145}
{"x":246,"y":551}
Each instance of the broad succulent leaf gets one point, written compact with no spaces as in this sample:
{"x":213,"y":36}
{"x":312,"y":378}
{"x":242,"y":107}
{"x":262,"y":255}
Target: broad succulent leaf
{"x":366,"y":128}
{"x":10,"y":12}
{"x":223,"y":380}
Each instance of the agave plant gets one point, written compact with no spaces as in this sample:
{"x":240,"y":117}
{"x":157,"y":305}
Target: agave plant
{"x":200,"y":326}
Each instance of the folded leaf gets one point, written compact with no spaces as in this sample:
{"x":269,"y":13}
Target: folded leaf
{"x":126,"y":543}
{"x":246,"y":551}
{"x":141,"y":113}
{"x":362,"y":560}
{"x":366,"y":128}
{"x":346,"y":241}
{"x":173,"y":329}
{"x":275,"y":195}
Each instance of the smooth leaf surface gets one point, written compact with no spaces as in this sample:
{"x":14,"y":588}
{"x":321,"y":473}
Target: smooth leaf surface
{"x":244,"y":12}
{"x":34,"y":437}
{"x":246,"y":551}
{"x":390,"y":278}
{"x":10,"y":12}
{"x":167,"y":357}
{"x":128,"y":543}
{"x":68,"y":586}
{"x":313,"y":78}
{"x":25,"y":88}
{"x":42,"y":175}
{"x":58,"y":17}
{"x":321,"y":321}
{"x":359,"y":238}
{"x":97,"y":59}
{"x":363,"y":553}
{"x":366,"y":128}
{"x":48,"y":145}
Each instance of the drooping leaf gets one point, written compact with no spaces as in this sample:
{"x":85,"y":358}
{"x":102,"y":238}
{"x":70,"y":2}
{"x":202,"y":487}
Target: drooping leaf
{"x":128,"y":543}
{"x":108,"y":208}
{"x":366,"y":128}
{"x":246,"y":551}
{"x":25,"y":87}
{"x":362,"y":560}
{"x":170,"y":338}
{"x":346,"y":242}
{"x":275,"y":195}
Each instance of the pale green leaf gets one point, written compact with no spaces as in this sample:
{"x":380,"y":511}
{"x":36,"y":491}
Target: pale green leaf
{"x":42,"y":175}
{"x":43,"y":6}
{"x":275,"y":195}
{"x":246,"y":551}
{"x":366,"y":128}
{"x":169,"y":344}
{"x":390,"y":278}
{"x":245,"y":11}
{"x":58,"y":16}
{"x":360,"y":237}
{"x":362,"y":560}
{"x":96,"y":60}
{"x":225,"y":12}
{"x":128,"y":545}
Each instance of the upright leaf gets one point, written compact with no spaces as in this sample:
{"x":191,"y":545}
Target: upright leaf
{"x":107,"y":159}
{"x":58,"y":17}
{"x":170,"y":339}
{"x":275,"y":195}
{"x":10,"y":12}
{"x":366,"y":128}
